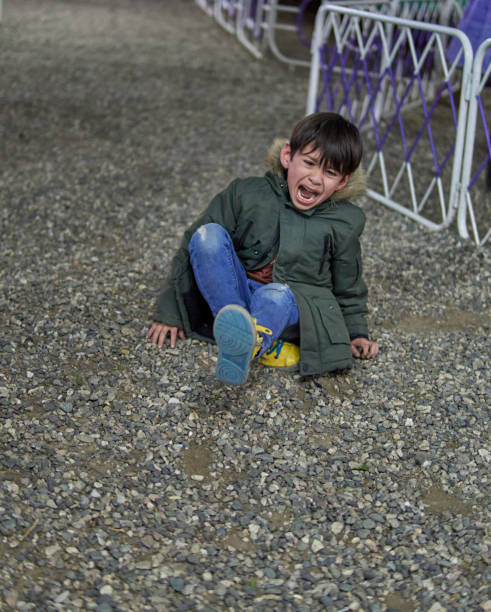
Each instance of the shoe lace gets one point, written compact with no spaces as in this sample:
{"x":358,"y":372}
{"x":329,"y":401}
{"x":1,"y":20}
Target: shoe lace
{"x":262,"y":330}
{"x":275,"y":348}
{"x":259,"y":340}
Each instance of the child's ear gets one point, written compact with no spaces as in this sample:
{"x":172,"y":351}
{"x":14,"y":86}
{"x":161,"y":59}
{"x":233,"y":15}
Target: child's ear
{"x":285,"y":155}
{"x":344,"y":182}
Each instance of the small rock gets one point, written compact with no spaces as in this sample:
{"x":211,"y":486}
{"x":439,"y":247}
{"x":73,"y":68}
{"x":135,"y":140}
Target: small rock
{"x":316,"y":545}
{"x":337,"y":527}
{"x":436,"y":607}
{"x":106,"y":590}
{"x":52,"y":550}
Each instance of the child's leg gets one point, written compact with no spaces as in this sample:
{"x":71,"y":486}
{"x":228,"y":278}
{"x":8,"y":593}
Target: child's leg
{"x":219,"y":274}
{"x":242,"y":335}
{"x":223,"y":282}
{"x":274,"y":307}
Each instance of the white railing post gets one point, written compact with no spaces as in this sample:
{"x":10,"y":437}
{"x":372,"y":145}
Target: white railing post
{"x":273,"y":8}
{"x":250,"y":29}
{"x":386,"y":66}
{"x":226,"y":14}
{"x":315,"y":62}
{"x":466,"y":210}
{"x":206,"y":5}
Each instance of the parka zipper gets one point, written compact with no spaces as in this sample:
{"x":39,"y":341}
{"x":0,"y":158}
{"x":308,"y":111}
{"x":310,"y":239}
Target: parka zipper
{"x":271,"y":246}
{"x":326,"y":251}
{"x":242,"y":238}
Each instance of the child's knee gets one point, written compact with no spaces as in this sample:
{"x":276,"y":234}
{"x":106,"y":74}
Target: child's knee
{"x":208,"y":237}
{"x":276,"y":292}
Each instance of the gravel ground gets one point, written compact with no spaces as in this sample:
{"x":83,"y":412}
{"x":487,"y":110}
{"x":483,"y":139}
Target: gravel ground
{"x":130,"y":478}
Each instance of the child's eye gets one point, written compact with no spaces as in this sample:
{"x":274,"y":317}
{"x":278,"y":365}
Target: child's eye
{"x":308,"y":162}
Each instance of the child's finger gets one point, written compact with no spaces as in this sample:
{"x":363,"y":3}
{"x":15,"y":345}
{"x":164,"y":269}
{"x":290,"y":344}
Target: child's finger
{"x":162,"y":336}
{"x":173,"y":337}
{"x":355,"y":351}
{"x":372,"y":350}
{"x":151,"y":330}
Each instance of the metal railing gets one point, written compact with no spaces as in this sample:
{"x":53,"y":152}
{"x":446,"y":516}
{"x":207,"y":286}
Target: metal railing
{"x":207,"y":5}
{"x":259,"y":24}
{"x":475,"y":204}
{"x":256,"y":23}
{"x":392,"y":78}
{"x":385,"y":66}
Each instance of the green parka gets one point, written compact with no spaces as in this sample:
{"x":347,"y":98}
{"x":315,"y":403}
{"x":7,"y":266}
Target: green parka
{"x":317,"y":255}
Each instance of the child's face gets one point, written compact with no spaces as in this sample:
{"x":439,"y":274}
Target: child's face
{"x":309,"y":183}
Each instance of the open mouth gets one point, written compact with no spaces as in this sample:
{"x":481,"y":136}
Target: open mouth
{"x":305,"y":195}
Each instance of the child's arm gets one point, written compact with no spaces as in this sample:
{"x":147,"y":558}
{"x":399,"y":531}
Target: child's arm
{"x":222,"y":210}
{"x":362,"y":348}
{"x":158,"y":333}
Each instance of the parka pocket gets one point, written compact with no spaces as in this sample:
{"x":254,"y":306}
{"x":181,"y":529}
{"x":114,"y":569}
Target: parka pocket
{"x":331,"y":319}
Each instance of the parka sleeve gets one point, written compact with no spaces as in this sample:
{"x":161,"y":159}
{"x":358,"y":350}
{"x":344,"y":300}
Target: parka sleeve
{"x":223,"y":210}
{"x":348,"y":284}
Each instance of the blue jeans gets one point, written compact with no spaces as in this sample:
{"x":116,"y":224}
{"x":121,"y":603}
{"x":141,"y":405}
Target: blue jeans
{"x":222,"y":280}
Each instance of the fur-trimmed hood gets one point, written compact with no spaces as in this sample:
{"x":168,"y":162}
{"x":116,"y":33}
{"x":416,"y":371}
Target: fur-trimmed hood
{"x":354,"y":188}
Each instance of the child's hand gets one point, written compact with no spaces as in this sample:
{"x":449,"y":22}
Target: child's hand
{"x":158,"y":333}
{"x":362,"y":348}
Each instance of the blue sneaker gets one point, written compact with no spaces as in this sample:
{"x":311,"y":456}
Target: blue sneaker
{"x":236,"y":337}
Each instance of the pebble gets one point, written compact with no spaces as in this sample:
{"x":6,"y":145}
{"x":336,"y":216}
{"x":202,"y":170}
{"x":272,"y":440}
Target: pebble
{"x":316,"y":546}
{"x":106,"y":590}
{"x":337,"y":527}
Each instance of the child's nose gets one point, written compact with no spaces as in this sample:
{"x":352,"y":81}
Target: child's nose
{"x":316,"y":176}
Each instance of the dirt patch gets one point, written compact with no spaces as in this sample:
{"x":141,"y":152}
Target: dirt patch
{"x":436,"y":500}
{"x":394,"y":601}
{"x":323,"y":441}
{"x":278,"y":520}
{"x":196,"y":462}
{"x":450,"y":320}
{"x":235,"y":540}
{"x":14,"y":475}
{"x":335,"y":385}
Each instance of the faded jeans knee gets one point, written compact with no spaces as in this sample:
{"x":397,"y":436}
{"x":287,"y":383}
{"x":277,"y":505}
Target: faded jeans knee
{"x":209,"y":238}
{"x":276,"y":292}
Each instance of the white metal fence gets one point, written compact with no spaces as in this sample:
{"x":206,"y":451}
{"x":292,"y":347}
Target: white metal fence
{"x":207,"y":5}
{"x":258,"y":23}
{"x":475,"y":204}
{"x":384,"y":64}
{"x":265,"y":24}
{"x":418,"y":110}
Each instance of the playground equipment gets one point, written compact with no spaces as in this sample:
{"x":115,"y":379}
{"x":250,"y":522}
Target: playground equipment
{"x":207,"y":5}
{"x":256,"y":23}
{"x":474,"y":164}
{"x":384,"y":65}
{"x":391,"y":77}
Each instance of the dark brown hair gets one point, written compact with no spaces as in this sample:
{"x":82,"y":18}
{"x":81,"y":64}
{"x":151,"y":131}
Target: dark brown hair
{"x":337,"y":139}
